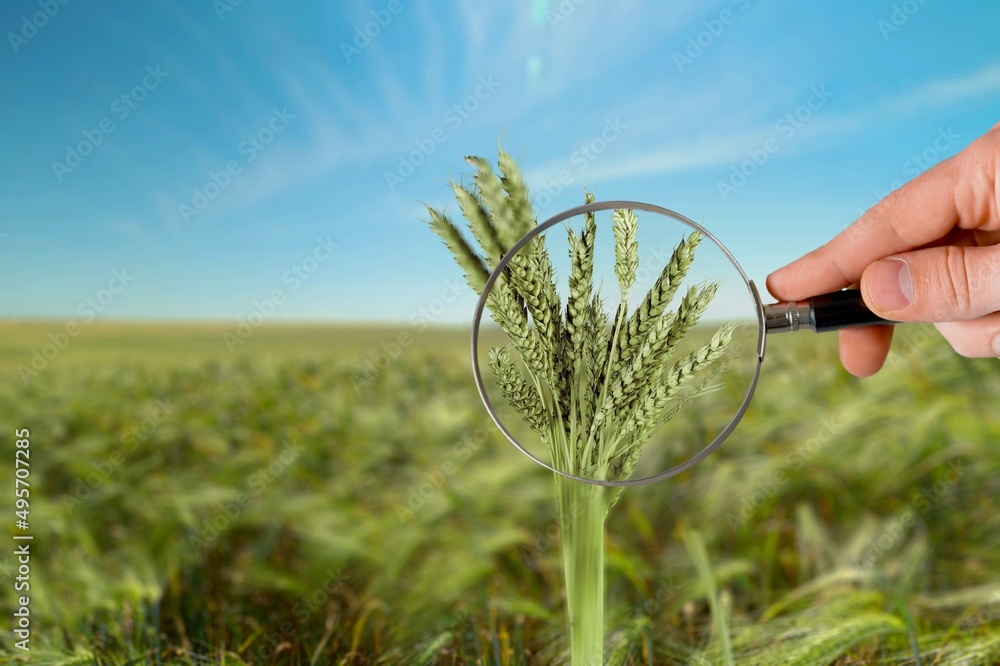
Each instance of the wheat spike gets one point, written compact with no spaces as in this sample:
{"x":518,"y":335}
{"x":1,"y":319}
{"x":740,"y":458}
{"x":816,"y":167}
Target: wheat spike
{"x":625,"y":224}
{"x":520,"y":218}
{"x":488,"y":185}
{"x":476,"y":273}
{"x":580,"y":281}
{"x":516,"y":391}
{"x":645,"y":416}
{"x":659,"y":296}
{"x":480,"y":224}
{"x":510,"y":313}
{"x":590,"y":376}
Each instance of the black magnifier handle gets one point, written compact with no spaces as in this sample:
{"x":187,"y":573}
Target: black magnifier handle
{"x":829,"y":312}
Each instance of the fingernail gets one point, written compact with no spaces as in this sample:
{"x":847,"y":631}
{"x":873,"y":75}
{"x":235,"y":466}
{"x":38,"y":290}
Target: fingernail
{"x":889,"y":284}
{"x":996,"y":345}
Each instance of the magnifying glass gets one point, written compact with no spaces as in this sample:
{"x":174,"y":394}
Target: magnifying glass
{"x":640,"y":371}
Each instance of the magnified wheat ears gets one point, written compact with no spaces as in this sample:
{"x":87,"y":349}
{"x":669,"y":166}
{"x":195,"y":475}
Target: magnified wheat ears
{"x":595,"y":389}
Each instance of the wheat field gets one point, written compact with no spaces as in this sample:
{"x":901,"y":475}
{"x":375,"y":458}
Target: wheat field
{"x":329,"y":495}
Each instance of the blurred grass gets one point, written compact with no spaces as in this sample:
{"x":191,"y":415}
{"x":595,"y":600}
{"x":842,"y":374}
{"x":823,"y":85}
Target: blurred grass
{"x":162,"y":344}
{"x":847,"y":521}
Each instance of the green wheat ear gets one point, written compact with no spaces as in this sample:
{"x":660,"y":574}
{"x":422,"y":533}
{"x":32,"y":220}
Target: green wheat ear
{"x":625,"y":225}
{"x":518,"y":205}
{"x":480,"y":223}
{"x":581,"y":279}
{"x":662,"y":292}
{"x":518,"y":393}
{"x":475,"y":270}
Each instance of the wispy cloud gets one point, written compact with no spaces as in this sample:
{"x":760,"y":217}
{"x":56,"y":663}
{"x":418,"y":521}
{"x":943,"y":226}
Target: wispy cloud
{"x":334,"y":129}
{"x":946,"y":91}
{"x":661,"y":152}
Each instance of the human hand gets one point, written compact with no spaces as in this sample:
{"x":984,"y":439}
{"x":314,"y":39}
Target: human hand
{"x":929,"y":251}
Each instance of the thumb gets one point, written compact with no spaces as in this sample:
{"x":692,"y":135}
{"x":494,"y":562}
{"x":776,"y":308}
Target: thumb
{"x":939,"y":284}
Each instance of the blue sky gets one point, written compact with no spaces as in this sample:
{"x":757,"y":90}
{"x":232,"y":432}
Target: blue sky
{"x":230,"y":151}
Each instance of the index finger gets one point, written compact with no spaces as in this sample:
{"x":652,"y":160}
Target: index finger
{"x":921,"y":211}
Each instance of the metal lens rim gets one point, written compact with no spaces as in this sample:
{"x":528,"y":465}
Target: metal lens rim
{"x":590,"y":208}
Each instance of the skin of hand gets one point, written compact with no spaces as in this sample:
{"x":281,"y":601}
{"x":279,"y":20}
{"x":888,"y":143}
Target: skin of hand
{"x":929,"y":251}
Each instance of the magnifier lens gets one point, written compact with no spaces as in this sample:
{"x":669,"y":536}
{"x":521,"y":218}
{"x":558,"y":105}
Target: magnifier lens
{"x":621,"y":344}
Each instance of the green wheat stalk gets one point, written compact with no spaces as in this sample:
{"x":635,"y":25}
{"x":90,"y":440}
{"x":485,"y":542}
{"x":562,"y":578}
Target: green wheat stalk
{"x":594,"y":388}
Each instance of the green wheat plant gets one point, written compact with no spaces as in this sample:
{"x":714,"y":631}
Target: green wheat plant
{"x":592,"y":387}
